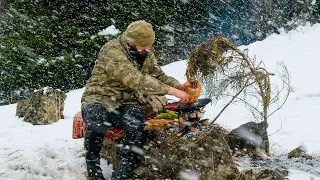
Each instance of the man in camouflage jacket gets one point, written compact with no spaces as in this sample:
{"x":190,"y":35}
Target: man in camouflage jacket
{"x":126,"y":85}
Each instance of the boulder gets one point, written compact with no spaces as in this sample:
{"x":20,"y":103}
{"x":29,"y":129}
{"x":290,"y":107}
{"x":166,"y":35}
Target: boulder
{"x":251,"y":138}
{"x":44,"y":106}
{"x":22,"y":107}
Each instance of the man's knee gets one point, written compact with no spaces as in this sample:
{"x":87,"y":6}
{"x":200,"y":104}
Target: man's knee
{"x":135,"y":116}
{"x":96,"y":116}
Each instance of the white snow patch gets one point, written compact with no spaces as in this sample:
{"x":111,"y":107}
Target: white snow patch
{"x":111,"y":30}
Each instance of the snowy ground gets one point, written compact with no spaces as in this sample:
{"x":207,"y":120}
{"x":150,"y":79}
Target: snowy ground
{"x":49,"y":152}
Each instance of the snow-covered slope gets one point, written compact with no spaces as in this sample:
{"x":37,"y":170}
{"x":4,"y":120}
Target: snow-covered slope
{"x":49,"y":152}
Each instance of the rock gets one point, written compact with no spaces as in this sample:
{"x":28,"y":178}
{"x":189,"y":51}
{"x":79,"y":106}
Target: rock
{"x":296,"y":153}
{"x":206,"y":156}
{"x":22,"y":107}
{"x":44,"y":106}
{"x":251,"y":137}
{"x":299,"y":152}
{"x":308,"y":157}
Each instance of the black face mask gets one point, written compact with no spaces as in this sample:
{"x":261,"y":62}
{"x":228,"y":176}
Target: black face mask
{"x":140,"y":56}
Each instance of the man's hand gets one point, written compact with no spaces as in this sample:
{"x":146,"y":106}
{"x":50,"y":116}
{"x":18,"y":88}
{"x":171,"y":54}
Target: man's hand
{"x":184,"y":97}
{"x":186,"y":84}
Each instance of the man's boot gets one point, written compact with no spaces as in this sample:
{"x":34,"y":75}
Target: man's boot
{"x":128,"y":162}
{"x":132,"y":121}
{"x":94,"y":170}
{"x":93,"y":145}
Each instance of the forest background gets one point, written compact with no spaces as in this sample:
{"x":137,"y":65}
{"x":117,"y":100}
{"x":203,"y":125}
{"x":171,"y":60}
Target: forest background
{"x":54,"y":43}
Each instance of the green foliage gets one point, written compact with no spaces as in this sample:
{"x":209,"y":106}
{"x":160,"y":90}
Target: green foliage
{"x":47,"y":44}
{"x":166,"y":116}
{"x":179,"y":25}
{"x":55,"y":43}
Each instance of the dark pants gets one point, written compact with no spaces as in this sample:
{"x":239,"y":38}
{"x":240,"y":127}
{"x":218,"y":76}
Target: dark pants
{"x":130,"y":118}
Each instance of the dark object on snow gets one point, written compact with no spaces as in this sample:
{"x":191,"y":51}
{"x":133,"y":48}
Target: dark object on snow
{"x":296,"y":153}
{"x":299,"y":152}
{"x":44,"y":106}
{"x":250,"y":136}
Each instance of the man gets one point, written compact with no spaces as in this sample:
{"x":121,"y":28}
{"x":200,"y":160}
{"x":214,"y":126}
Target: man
{"x":126,"y":84}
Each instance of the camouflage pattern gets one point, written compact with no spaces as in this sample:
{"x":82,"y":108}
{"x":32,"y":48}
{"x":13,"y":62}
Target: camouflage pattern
{"x":118,"y":79}
{"x":139,"y":33}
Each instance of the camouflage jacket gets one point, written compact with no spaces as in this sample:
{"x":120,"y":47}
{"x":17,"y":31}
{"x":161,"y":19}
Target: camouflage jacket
{"x":117,"y":78}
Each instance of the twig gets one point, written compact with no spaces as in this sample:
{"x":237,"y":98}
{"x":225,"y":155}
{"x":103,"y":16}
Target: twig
{"x":287,"y":96}
{"x":282,"y":122}
{"x":234,"y":97}
{"x":251,"y":106}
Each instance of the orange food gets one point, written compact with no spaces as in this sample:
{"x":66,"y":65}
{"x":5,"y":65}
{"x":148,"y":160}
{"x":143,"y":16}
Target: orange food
{"x":194,"y":90}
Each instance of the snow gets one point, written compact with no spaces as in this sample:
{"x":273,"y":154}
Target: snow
{"x":111,"y":30}
{"x":189,"y":175}
{"x":299,"y":51}
{"x":298,"y":175}
{"x":49,"y":152}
